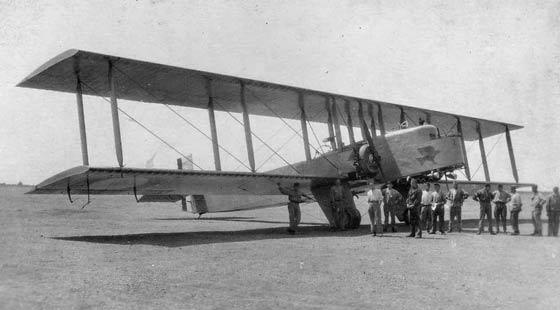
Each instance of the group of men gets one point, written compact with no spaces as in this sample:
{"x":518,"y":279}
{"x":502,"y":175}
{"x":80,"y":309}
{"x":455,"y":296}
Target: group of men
{"x":426,"y":209}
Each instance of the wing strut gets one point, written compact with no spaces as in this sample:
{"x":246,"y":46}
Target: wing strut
{"x":482,"y":153}
{"x":371,"y":116}
{"x":336,"y":124}
{"x":81,"y":117}
{"x":349,"y":122}
{"x":429,"y":121}
{"x":330,"y":123}
{"x":247,"y":126}
{"x":380,"y":118}
{"x":463,"y":148}
{"x":368,"y":138}
{"x":303,"y":118}
{"x":511,"y":156}
{"x":115,"y":113}
{"x":213,"y":129}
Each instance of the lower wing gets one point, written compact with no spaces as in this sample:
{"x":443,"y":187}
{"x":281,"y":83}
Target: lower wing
{"x":137,"y":181}
{"x":472,"y":186}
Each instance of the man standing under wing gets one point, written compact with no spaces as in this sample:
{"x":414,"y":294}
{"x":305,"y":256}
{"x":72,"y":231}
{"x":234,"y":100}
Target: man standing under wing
{"x":413,"y":202}
{"x":438,"y":211}
{"x":426,"y":211}
{"x":515,"y":209}
{"x":536,"y":211}
{"x":391,"y":200}
{"x":500,"y":209}
{"x":375,"y":198}
{"x":337,"y":203}
{"x":294,"y":197}
{"x":484,"y":198}
{"x":553,"y":212}
{"x":457,"y":197}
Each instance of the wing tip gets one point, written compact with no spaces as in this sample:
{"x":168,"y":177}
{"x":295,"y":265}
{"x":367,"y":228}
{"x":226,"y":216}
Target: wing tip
{"x":59,"y":176}
{"x":27,"y":81}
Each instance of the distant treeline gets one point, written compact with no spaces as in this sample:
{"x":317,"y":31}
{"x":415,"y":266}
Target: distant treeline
{"x":16,"y":185}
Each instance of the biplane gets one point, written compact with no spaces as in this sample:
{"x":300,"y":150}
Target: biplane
{"x":428,"y":145}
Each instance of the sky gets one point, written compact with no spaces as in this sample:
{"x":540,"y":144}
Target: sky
{"x":490,"y":59}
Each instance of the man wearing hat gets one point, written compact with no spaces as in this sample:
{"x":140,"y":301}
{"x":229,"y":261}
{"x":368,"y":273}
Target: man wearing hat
{"x":553,"y":212}
{"x":537,"y":203}
{"x":375,"y":198}
{"x":337,"y":204}
{"x":456,"y":196}
{"x":426,"y":211}
{"x":391,"y":200}
{"x":515,"y":209}
{"x":438,"y":210}
{"x":295,"y":198}
{"x":484,"y":198}
{"x":413,"y":202}
{"x":501,"y":197}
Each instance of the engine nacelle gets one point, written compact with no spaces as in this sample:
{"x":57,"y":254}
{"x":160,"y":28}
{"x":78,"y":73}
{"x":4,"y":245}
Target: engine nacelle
{"x":367,"y":162}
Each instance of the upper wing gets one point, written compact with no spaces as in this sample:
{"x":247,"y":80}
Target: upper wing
{"x":157,"y":83}
{"x":117,"y":181}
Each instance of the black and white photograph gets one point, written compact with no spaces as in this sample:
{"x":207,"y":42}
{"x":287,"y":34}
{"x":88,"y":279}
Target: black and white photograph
{"x":245,"y":154}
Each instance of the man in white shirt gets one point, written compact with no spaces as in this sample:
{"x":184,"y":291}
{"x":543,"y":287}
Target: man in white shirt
{"x":426,"y":210}
{"x":438,"y":212}
{"x":515,"y":209}
{"x":375,"y":197}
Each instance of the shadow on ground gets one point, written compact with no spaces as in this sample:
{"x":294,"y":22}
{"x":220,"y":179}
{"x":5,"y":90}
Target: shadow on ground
{"x":180,"y":239}
{"x":234,"y":219}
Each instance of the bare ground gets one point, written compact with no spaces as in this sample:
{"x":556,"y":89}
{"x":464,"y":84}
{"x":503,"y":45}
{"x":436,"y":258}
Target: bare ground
{"x":119,"y":254}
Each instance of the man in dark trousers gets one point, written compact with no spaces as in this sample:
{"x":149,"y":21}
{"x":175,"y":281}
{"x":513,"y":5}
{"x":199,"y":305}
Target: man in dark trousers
{"x":337,"y":203}
{"x":295,"y":198}
{"x":438,"y":211}
{"x":484,"y":198}
{"x":515,"y":209}
{"x":391,"y":200}
{"x":456,"y":196}
{"x":413,"y":204}
{"x":426,"y":211}
{"x":553,"y":212}
{"x":537,"y":203}
{"x":501,"y":197}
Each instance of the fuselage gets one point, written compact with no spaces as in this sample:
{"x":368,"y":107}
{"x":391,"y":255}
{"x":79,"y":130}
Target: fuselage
{"x":406,"y":152}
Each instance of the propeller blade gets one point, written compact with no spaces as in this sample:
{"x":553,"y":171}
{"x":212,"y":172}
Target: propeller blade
{"x":368,"y":137}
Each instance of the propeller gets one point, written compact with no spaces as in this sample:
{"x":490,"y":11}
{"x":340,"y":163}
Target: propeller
{"x":369,"y":139}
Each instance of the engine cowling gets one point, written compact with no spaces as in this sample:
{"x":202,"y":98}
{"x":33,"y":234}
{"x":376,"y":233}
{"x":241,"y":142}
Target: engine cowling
{"x":367,"y":161}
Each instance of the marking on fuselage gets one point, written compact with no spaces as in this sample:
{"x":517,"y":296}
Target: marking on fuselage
{"x":428,"y":154}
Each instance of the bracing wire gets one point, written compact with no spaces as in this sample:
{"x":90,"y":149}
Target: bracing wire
{"x":271,"y":155}
{"x":161,"y":139}
{"x":144,"y":127}
{"x":262,"y":145}
{"x":487,"y":155}
{"x":294,"y":130}
{"x":259,"y":138}
{"x":182,"y":117}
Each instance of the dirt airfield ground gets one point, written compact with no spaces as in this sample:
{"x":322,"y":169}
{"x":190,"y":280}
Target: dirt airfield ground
{"x":121,"y":255}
